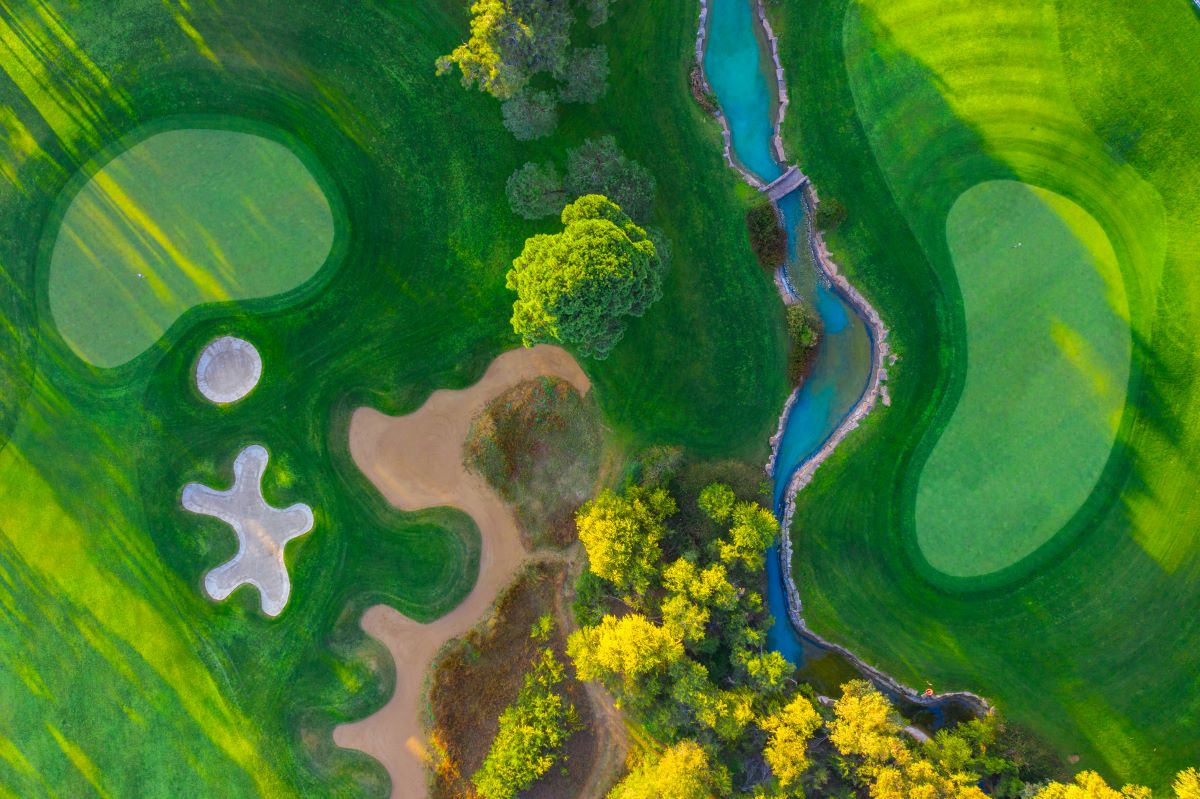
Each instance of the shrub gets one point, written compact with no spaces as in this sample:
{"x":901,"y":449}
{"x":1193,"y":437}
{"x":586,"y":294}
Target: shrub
{"x":599,"y":167}
{"x":585,"y":77}
{"x":830,"y":215}
{"x":536,"y":190}
{"x":768,"y":239}
{"x":530,"y":115}
{"x":533,"y":731}
{"x":803,"y":334}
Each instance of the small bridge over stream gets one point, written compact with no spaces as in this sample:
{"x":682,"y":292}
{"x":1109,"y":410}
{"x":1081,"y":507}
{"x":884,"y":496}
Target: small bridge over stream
{"x":788,"y":182}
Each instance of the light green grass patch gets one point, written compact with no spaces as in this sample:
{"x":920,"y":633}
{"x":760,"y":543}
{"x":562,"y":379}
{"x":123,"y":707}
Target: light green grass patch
{"x":182,"y":218}
{"x":1048,"y":351}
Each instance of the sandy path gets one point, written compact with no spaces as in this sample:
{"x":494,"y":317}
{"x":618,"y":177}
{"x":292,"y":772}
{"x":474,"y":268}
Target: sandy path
{"x":612,"y":744}
{"x":416,"y":461}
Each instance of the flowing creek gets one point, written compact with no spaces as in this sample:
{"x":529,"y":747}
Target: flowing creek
{"x":740,"y":70}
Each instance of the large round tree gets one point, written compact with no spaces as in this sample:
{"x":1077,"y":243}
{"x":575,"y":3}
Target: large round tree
{"x":576,"y":286}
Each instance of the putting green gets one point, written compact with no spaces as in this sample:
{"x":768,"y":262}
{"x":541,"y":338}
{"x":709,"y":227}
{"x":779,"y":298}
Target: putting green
{"x":1048,"y":350}
{"x":182,"y":218}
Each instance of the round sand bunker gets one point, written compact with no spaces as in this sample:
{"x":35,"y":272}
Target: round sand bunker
{"x":228,"y":369}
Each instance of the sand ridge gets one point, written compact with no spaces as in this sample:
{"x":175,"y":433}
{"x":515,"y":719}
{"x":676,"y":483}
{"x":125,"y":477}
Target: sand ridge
{"x":416,"y":462}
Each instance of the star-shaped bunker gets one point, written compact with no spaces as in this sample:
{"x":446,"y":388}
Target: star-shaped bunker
{"x":262,"y":532}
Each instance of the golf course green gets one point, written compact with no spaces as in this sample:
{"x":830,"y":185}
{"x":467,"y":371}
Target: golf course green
{"x":182,"y":218}
{"x":928,"y":544}
{"x":1048,"y":351}
{"x":118,"y":674}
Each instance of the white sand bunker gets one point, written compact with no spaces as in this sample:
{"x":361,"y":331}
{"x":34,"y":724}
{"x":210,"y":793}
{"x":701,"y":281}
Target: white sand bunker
{"x":262,"y":532}
{"x":228,"y":369}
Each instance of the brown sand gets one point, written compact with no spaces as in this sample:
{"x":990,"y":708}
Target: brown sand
{"x":416,"y":461}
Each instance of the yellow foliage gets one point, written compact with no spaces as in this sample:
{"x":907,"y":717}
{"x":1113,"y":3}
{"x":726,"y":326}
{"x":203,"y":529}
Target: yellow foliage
{"x":788,"y":732}
{"x":1090,"y":785}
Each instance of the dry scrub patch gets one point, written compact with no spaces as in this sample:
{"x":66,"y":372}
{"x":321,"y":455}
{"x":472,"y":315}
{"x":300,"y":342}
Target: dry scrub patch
{"x":478,"y":675}
{"x":539,"y":444}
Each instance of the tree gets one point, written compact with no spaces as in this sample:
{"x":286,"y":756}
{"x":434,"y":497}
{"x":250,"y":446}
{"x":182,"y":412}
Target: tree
{"x":768,"y":239}
{"x":585,"y":76}
{"x":530,"y":115}
{"x":597,"y":12}
{"x":717,"y":501}
{"x":682,"y":771}
{"x":536,"y":190}
{"x":789,"y":731}
{"x":691,"y":594}
{"x":911,"y":778}
{"x":1187,"y":784}
{"x":1090,"y":785}
{"x":576,"y":286}
{"x":753,"y":529}
{"x":622,"y":533}
{"x":766,"y":672}
{"x":802,"y":337}
{"x":533,"y":730}
{"x":631,"y":648}
{"x":865,"y":724}
{"x":510,"y":42}
{"x":488,"y":58}
{"x":599,"y":167}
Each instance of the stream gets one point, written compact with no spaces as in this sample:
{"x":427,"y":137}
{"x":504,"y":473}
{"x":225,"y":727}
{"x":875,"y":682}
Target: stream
{"x":741,"y":72}
{"x":741,"y":75}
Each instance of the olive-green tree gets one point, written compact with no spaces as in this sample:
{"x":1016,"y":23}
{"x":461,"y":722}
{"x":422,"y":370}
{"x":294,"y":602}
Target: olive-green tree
{"x":578,"y":286}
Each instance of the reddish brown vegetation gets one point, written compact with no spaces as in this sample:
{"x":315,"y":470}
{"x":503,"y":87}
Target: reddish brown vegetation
{"x":478,"y":675}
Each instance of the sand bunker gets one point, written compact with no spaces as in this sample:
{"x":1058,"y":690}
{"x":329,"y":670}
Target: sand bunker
{"x":229,"y":368}
{"x":262,"y":532}
{"x":416,"y":461}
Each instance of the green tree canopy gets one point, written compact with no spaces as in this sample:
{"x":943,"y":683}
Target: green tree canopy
{"x":622,"y":533}
{"x":682,"y":771}
{"x":530,"y":114}
{"x":576,"y":286}
{"x":598,"y":166}
{"x":536,"y":190}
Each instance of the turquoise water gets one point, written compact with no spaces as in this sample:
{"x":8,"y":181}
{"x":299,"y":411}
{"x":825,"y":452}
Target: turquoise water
{"x":743,"y":79}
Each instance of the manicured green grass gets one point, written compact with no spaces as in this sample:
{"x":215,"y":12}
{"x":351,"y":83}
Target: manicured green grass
{"x":181,"y":218}
{"x":1048,"y":351}
{"x":1091,"y":640}
{"x":118,"y":677}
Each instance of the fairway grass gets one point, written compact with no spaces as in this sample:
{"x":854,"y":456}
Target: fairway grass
{"x":118,"y":675}
{"x":1048,"y":351}
{"x":902,"y":107}
{"x":181,"y":218}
